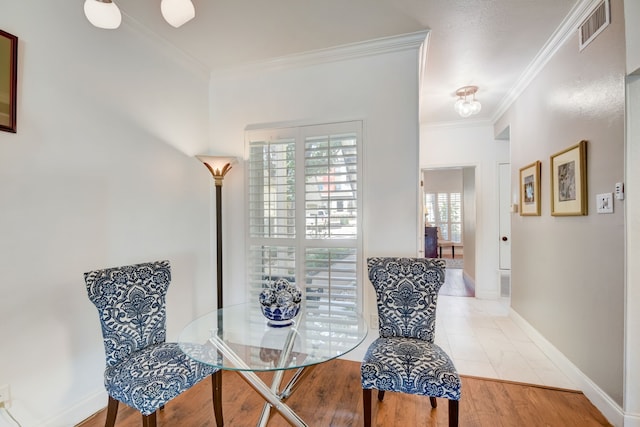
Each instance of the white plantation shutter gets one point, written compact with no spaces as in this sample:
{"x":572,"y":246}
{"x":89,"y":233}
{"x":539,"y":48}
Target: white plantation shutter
{"x":331,"y":186}
{"x":271,"y":193}
{"x":444,"y":210}
{"x":304,"y":211}
{"x":330,"y":278}
{"x":270,"y":263}
{"x":430,"y":208}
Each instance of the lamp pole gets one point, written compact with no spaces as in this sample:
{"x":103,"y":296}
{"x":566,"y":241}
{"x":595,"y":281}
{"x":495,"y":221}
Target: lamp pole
{"x":218,"y":166}
{"x":219,"y":240}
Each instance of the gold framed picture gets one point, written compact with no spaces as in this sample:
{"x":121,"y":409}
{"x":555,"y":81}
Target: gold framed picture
{"x":569,"y":181}
{"x":8,"y":80}
{"x":530,"y":189}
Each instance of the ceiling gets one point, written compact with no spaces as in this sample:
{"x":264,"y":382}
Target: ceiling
{"x":487,"y":43}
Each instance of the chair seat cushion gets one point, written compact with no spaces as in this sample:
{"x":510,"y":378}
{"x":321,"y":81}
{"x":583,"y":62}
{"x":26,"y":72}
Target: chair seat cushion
{"x":410,"y":365}
{"x":151,"y":377}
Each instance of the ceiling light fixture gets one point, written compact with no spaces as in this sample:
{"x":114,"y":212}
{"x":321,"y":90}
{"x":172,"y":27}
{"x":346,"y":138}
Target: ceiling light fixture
{"x":177,"y":12}
{"x":463,"y":106}
{"x":103,"y":14}
{"x":106,"y":14}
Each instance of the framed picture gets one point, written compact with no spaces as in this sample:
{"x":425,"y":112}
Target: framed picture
{"x":569,"y":181}
{"x":530,"y":189}
{"x":8,"y":80}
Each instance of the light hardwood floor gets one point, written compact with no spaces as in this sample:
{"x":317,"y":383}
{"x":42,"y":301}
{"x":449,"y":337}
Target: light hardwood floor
{"x":332,"y":396}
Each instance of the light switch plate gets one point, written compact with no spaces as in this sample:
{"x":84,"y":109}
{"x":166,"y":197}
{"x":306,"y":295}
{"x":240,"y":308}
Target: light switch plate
{"x":605,"y":203}
{"x":620,"y":190}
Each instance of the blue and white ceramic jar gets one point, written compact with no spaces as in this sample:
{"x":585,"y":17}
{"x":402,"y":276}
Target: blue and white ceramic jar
{"x":280,"y":302}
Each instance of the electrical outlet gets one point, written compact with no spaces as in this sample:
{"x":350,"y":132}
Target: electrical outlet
{"x":5,"y":396}
{"x":604,"y":203}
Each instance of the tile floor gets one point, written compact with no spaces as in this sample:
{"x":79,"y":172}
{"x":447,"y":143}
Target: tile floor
{"x":484,"y":341}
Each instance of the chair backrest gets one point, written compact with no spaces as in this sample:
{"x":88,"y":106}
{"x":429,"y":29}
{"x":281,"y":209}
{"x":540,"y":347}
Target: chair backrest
{"x":407,"y":293}
{"x":131,"y":306}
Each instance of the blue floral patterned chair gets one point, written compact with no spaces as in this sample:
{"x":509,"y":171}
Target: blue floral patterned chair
{"x":404,"y":358}
{"x":143,"y":371}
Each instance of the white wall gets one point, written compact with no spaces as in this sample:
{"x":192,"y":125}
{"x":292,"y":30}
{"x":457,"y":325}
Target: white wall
{"x":632,"y":31}
{"x":469,"y":223}
{"x":632,"y":294}
{"x":473,"y":145}
{"x":443,"y":180}
{"x":99,"y":174}
{"x":568,"y":272}
{"x":381,"y":90}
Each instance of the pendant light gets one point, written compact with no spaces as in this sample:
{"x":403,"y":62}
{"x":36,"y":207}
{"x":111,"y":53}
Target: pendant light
{"x":103,"y":14}
{"x":177,"y":12}
{"x":106,"y":14}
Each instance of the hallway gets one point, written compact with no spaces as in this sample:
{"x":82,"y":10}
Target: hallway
{"x":484,"y":341}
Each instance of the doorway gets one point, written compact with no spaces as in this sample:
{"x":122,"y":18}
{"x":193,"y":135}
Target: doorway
{"x":449,"y":206}
{"x":504,"y":194}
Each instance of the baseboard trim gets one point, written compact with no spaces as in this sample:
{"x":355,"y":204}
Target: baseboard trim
{"x":632,"y":420}
{"x":601,"y":400}
{"x":469,"y":284}
{"x":79,"y":412}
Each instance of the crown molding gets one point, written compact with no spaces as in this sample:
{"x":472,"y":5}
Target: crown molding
{"x":178,"y":55}
{"x":457,"y":124}
{"x":367,"y":48}
{"x":563,"y":33}
{"x":422,"y":65}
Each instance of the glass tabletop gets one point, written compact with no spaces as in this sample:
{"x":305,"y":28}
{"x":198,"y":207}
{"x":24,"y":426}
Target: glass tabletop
{"x":239,"y":338}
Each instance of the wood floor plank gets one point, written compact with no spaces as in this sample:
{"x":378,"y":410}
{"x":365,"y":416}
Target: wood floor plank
{"x":331,"y":396}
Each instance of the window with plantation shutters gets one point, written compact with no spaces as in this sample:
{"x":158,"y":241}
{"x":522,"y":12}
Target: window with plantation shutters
{"x":444,"y":210}
{"x":304,"y":210}
{"x":271,"y":188}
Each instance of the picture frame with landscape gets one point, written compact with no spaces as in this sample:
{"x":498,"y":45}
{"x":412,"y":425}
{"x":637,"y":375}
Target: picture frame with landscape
{"x":569,"y":181}
{"x":530,"y":189}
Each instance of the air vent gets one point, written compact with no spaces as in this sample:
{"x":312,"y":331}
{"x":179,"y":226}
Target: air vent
{"x":504,"y":277}
{"x":597,"y":21}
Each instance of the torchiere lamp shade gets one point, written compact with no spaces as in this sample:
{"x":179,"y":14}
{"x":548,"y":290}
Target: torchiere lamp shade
{"x":218,"y":166}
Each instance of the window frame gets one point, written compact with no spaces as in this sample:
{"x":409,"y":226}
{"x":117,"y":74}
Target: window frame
{"x":301,"y":242}
{"x":436,"y":214}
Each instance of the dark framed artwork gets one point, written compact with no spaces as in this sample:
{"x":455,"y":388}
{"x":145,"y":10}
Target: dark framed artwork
{"x":569,"y":181}
{"x":8,"y":81}
{"x":530,"y":189}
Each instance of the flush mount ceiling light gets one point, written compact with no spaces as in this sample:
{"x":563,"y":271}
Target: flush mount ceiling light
{"x":464,"y":106}
{"x":106,"y":14}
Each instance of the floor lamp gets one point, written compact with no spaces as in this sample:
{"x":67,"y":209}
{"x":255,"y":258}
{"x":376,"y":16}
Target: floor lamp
{"x":218,"y":166}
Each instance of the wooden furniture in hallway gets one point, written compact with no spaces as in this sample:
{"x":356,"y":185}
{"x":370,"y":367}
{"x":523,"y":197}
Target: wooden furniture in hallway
{"x":431,"y":242}
{"x":448,"y":244}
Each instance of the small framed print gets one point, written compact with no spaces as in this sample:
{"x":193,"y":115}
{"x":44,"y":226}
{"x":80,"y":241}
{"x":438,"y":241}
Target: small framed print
{"x":569,"y":181}
{"x":8,"y":81}
{"x":530,"y":189}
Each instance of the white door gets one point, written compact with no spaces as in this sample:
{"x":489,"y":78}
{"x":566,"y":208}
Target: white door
{"x":505,"y":215}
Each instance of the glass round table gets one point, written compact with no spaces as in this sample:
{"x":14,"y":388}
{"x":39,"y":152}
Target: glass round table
{"x":239,"y":338}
